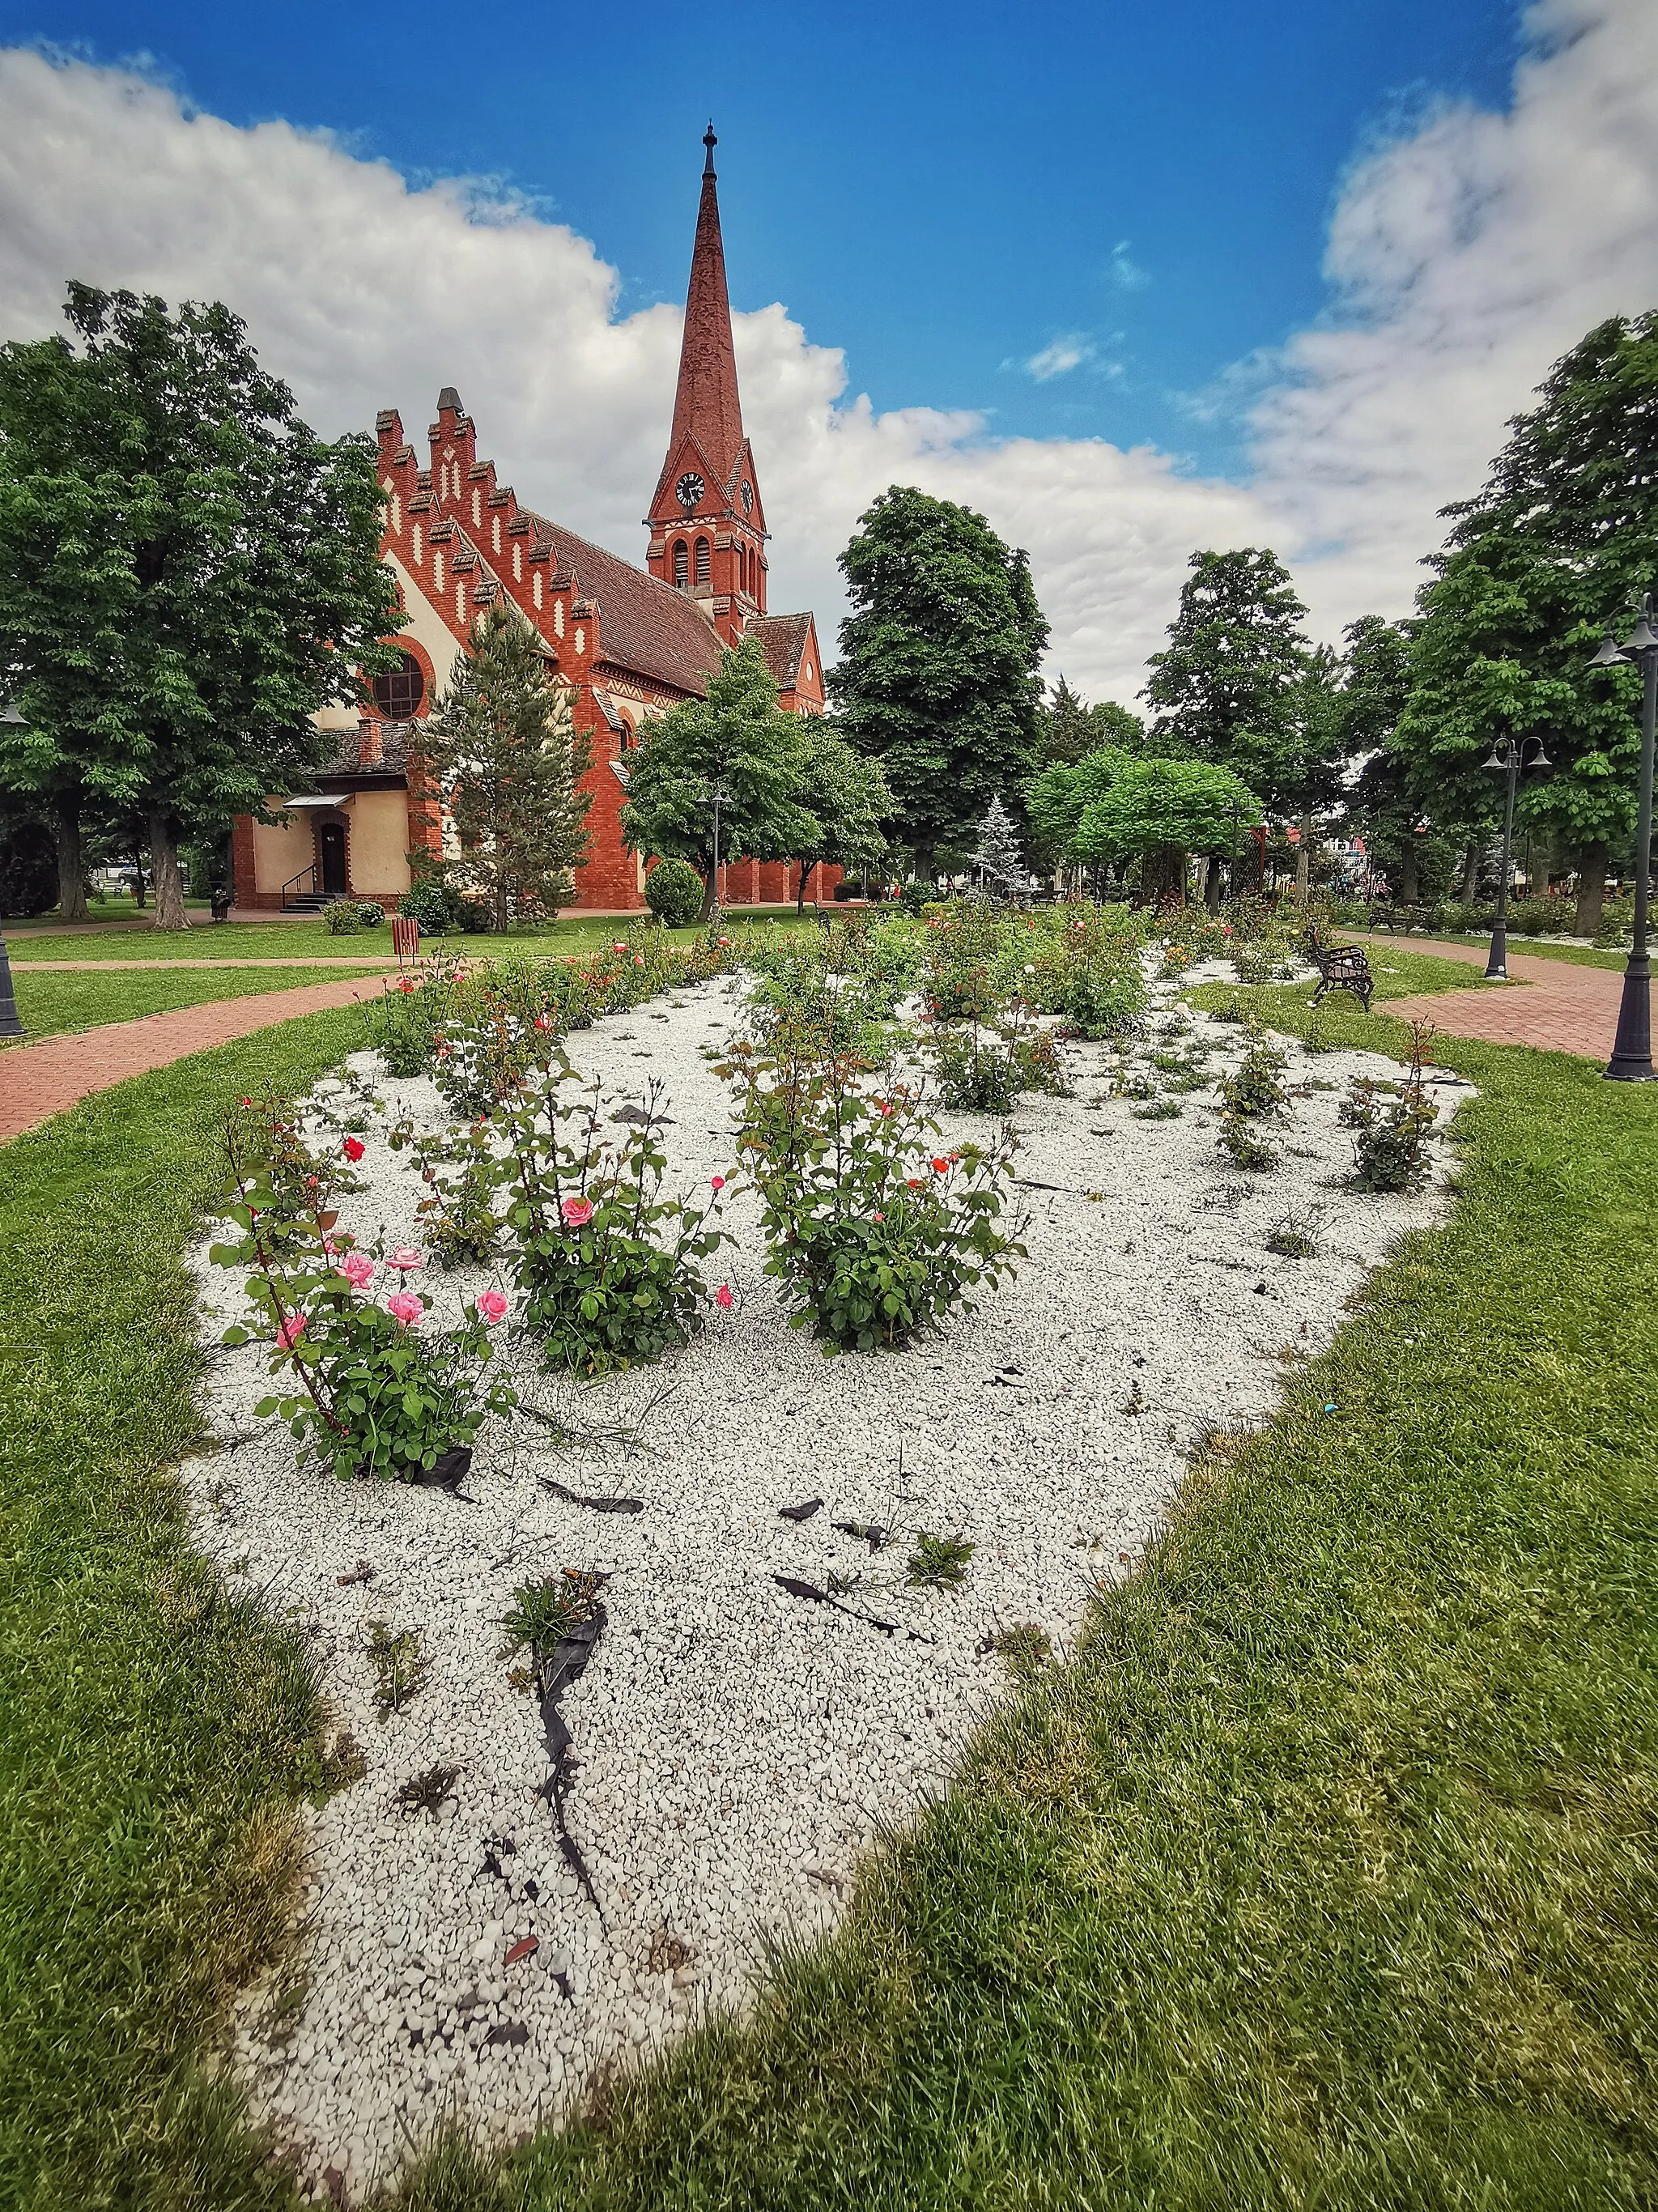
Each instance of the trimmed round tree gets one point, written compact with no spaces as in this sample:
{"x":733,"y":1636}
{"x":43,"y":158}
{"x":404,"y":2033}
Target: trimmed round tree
{"x":1157,"y":811}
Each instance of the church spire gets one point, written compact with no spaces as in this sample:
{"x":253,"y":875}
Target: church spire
{"x":706,"y":406}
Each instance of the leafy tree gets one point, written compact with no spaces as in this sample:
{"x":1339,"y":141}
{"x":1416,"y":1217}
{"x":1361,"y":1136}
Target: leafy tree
{"x":1157,"y":811}
{"x":501,"y":744}
{"x":937,"y":676}
{"x":1056,"y":799}
{"x":1069,"y":728}
{"x":1561,"y":539}
{"x":1306,"y":774}
{"x":740,"y":738}
{"x":1226,"y":685}
{"x":1376,"y":685}
{"x":846,"y":800}
{"x":187,"y":576}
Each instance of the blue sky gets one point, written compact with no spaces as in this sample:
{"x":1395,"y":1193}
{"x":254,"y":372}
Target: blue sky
{"x":947,"y":193}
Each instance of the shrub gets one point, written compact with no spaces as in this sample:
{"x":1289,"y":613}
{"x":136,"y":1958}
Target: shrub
{"x":433,"y":905}
{"x":1255,"y":1088}
{"x":28,"y":870}
{"x":461,"y":1228}
{"x":1244,"y":1145}
{"x":371,"y":914}
{"x":872,"y":1234}
{"x":343,"y":920}
{"x":365,"y":1393}
{"x":1391,"y":1125}
{"x":607,"y":1264}
{"x":985,"y":1066}
{"x":914,"y":896}
{"x":673,"y":892}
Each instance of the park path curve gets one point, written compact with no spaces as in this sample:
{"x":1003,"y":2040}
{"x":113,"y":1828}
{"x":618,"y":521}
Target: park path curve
{"x":39,"y":1080}
{"x":1554,"y":1004}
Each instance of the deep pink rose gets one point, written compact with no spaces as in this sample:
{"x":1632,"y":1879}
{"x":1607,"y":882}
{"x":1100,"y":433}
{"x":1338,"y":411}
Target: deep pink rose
{"x":722,"y":1298}
{"x":358,"y":1270}
{"x":578,"y":1212}
{"x":405,"y":1307}
{"x":492,"y":1306}
{"x":718,"y":1181}
{"x":290,"y":1332}
{"x":405,"y":1257}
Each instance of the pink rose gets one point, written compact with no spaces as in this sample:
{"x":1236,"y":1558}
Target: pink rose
{"x":492,"y":1306}
{"x":578,"y":1212}
{"x":358,"y":1270}
{"x":879,"y":1217}
{"x":290,"y":1332}
{"x":405,"y":1257}
{"x":718,"y":1181}
{"x":722,"y":1298}
{"x":638,"y":960}
{"x":618,"y":946}
{"x":352,"y":1148}
{"x":405,"y":1307}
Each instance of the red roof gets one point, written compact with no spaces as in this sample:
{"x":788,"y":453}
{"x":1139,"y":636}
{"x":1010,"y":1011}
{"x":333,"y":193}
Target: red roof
{"x":784,"y":638}
{"x":645,"y":626}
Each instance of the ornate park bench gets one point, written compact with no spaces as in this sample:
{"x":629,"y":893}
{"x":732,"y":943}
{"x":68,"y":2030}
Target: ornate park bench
{"x":1340,"y":967}
{"x":1396,"y":918}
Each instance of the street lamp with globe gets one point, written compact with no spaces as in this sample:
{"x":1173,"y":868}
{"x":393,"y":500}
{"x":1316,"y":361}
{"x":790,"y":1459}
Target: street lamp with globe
{"x":1631,"y":1049}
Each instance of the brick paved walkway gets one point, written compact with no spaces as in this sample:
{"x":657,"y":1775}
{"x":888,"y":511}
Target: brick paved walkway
{"x":1554,"y":1004}
{"x":39,"y":1080}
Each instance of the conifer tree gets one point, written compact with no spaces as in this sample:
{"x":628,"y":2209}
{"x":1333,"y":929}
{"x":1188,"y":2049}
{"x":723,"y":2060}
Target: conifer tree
{"x":1226,"y":683}
{"x":501,"y":745}
{"x":997,"y":854}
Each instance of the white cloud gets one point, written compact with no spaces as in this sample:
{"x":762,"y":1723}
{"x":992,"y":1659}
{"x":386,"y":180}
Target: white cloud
{"x":1125,"y":272}
{"x":1060,"y":357}
{"x":1463,"y":259}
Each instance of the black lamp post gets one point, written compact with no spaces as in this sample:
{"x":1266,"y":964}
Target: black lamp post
{"x":11,"y":1025}
{"x":719,"y":796}
{"x":1508,"y":758}
{"x":1631,"y":1049}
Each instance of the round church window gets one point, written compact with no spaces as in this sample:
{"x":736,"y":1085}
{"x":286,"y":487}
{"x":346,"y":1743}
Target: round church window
{"x":399,"y":691}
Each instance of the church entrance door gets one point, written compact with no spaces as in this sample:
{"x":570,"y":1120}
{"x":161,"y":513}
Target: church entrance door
{"x":331,"y":859}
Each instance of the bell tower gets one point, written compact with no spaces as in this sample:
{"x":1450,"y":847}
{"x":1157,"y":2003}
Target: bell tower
{"x":707,"y":526}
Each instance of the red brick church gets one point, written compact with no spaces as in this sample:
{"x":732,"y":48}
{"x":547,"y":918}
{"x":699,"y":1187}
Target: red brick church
{"x":632,"y":641}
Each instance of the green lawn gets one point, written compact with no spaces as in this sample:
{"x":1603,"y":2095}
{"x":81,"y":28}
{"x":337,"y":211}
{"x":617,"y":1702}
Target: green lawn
{"x":52,"y":1003}
{"x":1322,"y":1876}
{"x":1580,"y":956}
{"x":299,"y":940}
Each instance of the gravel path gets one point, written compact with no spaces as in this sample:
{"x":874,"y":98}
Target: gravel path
{"x":738,"y":1746}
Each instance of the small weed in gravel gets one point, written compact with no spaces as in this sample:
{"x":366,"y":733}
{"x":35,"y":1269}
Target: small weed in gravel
{"x":1162,"y":1110}
{"x":1025,"y":1648}
{"x":1295,"y":1237}
{"x":544,"y":1612}
{"x":400,"y":1665}
{"x":425,"y":1793}
{"x":939,"y":1562}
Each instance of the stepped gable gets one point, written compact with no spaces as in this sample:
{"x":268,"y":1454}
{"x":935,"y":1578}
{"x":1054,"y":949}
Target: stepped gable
{"x":646,"y":627}
{"x":783,"y":638}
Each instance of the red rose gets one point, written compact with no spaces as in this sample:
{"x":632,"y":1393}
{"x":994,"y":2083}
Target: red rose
{"x":352,"y":1148}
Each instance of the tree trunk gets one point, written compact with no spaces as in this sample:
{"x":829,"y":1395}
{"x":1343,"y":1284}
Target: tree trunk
{"x":1407,"y":882}
{"x":800,"y":894}
{"x":1304,"y":860}
{"x":138,"y":877}
{"x":1212,"y":884}
{"x":71,"y":871}
{"x":710,"y":888}
{"x":1591,"y":889}
{"x":164,"y":869}
{"x":1468,"y":875}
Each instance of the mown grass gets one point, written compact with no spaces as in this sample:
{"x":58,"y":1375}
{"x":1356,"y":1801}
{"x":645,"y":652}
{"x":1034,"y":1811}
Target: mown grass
{"x":1544,"y":948}
{"x":51,"y":1004}
{"x":1324,"y":1875}
{"x":154,"y":1732}
{"x":298,"y":940}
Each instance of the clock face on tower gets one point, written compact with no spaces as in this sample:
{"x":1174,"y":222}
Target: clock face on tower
{"x":689,"y":490}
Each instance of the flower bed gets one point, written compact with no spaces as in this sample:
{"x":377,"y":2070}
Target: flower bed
{"x":795,"y":1599}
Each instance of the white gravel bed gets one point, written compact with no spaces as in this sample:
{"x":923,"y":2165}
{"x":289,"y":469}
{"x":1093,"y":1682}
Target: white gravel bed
{"x":739,"y":1747}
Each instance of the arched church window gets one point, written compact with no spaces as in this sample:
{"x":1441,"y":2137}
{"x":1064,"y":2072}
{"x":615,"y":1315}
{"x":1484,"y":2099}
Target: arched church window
{"x":702,"y":560}
{"x":681,"y":567}
{"x":400,"y":690}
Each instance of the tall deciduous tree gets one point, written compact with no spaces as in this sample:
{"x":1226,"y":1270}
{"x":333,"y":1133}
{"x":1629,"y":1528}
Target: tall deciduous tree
{"x":938,"y":678}
{"x":1226,"y":685}
{"x":187,"y":573}
{"x":501,"y":745}
{"x":740,"y":738}
{"x":1376,"y":685}
{"x":1561,"y":539}
{"x":845,"y":799}
{"x":1056,"y":800}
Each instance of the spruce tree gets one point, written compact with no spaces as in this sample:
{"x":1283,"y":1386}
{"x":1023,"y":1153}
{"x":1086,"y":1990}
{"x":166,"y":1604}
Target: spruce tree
{"x":502,"y":745}
{"x":997,"y":854}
